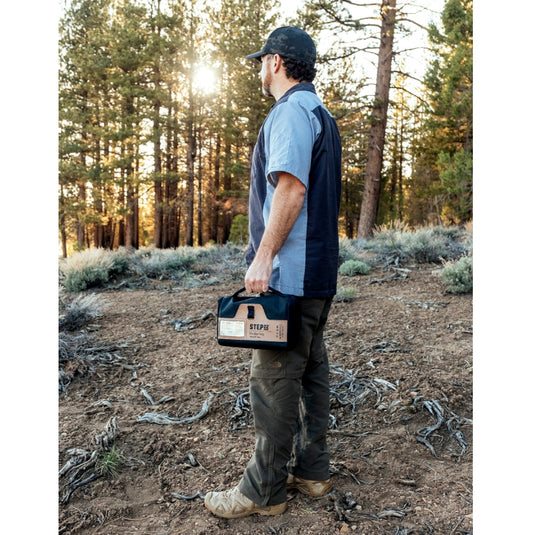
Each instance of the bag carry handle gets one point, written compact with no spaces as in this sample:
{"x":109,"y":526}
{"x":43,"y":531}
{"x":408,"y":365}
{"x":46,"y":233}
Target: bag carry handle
{"x":235,"y":296}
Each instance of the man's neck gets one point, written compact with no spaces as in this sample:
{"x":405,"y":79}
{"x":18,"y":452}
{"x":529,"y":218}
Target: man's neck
{"x":281,"y":88}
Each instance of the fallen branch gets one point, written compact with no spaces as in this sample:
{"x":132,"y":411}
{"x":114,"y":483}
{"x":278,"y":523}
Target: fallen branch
{"x":198,"y":494}
{"x":150,"y":400}
{"x":437,"y":411}
{"x":163,"y":419}
{"x":82,"y":467}
{"x":191,"y":323}
{"x":354,"y":388}
{"x":79,"y":356}
{"x":241,"y":415}
{"x":345,"y":509}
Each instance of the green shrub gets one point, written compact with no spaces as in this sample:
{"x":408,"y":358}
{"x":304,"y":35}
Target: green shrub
{"x":226,"y":259}
{"x":354,"y":267}
{"x":109,"y":461}
{"x":120,"y":261}
{"x":239,"y":230}
{"x":80,"y":311}
{"x":349,"y":249}
{"x":345,"y":295}
{"x":425,"y":245}
{"x":87,"y":269}
{"x":457,"y":276}
{"x":164,"y":263}
{"x":85,"y":277}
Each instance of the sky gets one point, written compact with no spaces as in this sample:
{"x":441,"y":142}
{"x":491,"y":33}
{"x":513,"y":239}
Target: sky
{"x":415,"y":61}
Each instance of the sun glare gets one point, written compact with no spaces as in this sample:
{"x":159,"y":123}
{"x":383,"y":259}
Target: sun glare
{"x":205,"y":79}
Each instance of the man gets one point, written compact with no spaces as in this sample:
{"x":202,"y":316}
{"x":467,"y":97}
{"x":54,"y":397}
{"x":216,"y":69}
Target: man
{"x":293,"y":247}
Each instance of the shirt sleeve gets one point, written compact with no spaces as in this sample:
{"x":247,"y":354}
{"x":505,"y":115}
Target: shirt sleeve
{"x":291,"y":139}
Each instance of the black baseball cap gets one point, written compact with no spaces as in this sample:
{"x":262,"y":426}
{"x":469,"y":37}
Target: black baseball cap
{"x":289,"y":42}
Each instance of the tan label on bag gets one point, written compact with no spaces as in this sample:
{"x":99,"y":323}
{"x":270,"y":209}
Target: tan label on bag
{"x":258,"y":329}
{"x":231,"y":328}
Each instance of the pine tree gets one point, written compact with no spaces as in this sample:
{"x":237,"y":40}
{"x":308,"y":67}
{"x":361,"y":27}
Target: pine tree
{"x":239,"y":28}
{"x":340,"y":93}
{"x":354,"y":28}
{"x":445,"y":154}
{"x":376,"y":143}
{"x":84,"y":64}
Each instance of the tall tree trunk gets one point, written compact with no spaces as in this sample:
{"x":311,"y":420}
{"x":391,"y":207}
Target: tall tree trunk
{"x":199,"y":191}
{"x":216,"y":201}
{"x":62,"y":224}
{"x":372,"y":180}
{"x":158,"y":197}
{"x":172,"y":191}
{"x":158,"y":200}
{"x":158,"y":213}
{"x":98,"y":230}
{"x":82,"y":198}
{"x":80,"y":225}
{"x":399,"y":214}
{"x":122,"y":197}
{"x":191,"y":153}
{"x":130,"y":218}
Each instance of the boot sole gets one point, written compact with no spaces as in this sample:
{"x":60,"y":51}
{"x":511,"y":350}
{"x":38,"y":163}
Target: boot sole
{"x":270,"y":510}
{"x":305,"y":490}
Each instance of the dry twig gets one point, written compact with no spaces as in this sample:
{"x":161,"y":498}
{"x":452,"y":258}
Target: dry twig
{"x":191,"y":323}
{"x":163,"y":419}
{"x":82,"y":468}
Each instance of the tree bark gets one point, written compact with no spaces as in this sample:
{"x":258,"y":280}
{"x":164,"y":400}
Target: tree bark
{"x":158,"y":199}
{"x":191,"y":154}
{"x":214,"y":235}
{"x":199,"y":192}
{"x":372,"y":180}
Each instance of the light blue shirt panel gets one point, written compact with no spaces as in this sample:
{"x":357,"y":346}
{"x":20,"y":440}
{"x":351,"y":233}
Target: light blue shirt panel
{"x":291,"y":130}
{"x":290,"y":136}
{"x":289,"y":263}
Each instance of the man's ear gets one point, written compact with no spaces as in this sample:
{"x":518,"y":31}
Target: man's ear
{"x":277,"y":63}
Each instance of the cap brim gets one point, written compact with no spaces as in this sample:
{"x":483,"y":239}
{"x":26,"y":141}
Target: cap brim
{"x":256,"y":55}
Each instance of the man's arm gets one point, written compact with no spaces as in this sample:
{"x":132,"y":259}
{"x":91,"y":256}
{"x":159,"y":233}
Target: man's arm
{"x":285,"y":207}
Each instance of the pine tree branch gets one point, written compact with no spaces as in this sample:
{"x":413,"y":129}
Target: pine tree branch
{"x":350,"y":22}
{"x":348,"y":54}
{"x":419,"y":7}
{"x":414,"y":48}
{"x":410,"y":93}
{"x":413,"y":22}
{"x":408,"y":76}
{"x":360,"y":5}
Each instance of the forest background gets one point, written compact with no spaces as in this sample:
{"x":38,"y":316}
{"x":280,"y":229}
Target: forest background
{"x":159,"y":112}
{"x":504,"y":192}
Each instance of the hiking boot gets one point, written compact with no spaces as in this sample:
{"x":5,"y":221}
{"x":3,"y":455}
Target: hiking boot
{"x":308,"y":486}
{"x":233,"y":504}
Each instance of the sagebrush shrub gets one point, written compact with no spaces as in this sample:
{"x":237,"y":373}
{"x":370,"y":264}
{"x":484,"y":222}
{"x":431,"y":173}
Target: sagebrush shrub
{"x":458,"y":276}
{"x":85,"y":278}
{"x":354,"y":267}
{"x":163,"y":263}
{"x":349,"y":249}
{"x":228,"y":258}
{"x":80,"y":311}
{"x":121,"y":260}
{"x":87,"y":269}
{"x":425,"y":245}
{"x":345,"y":295}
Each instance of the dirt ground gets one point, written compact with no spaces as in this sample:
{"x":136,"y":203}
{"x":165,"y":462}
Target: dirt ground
{"x":402,"y":335}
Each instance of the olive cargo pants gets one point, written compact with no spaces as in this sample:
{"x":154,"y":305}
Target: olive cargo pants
{"x":289,"y":392}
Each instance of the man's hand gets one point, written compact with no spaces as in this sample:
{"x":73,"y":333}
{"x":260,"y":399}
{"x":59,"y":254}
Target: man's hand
{"x":285,"y":207}
{"x":258,"y":275}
